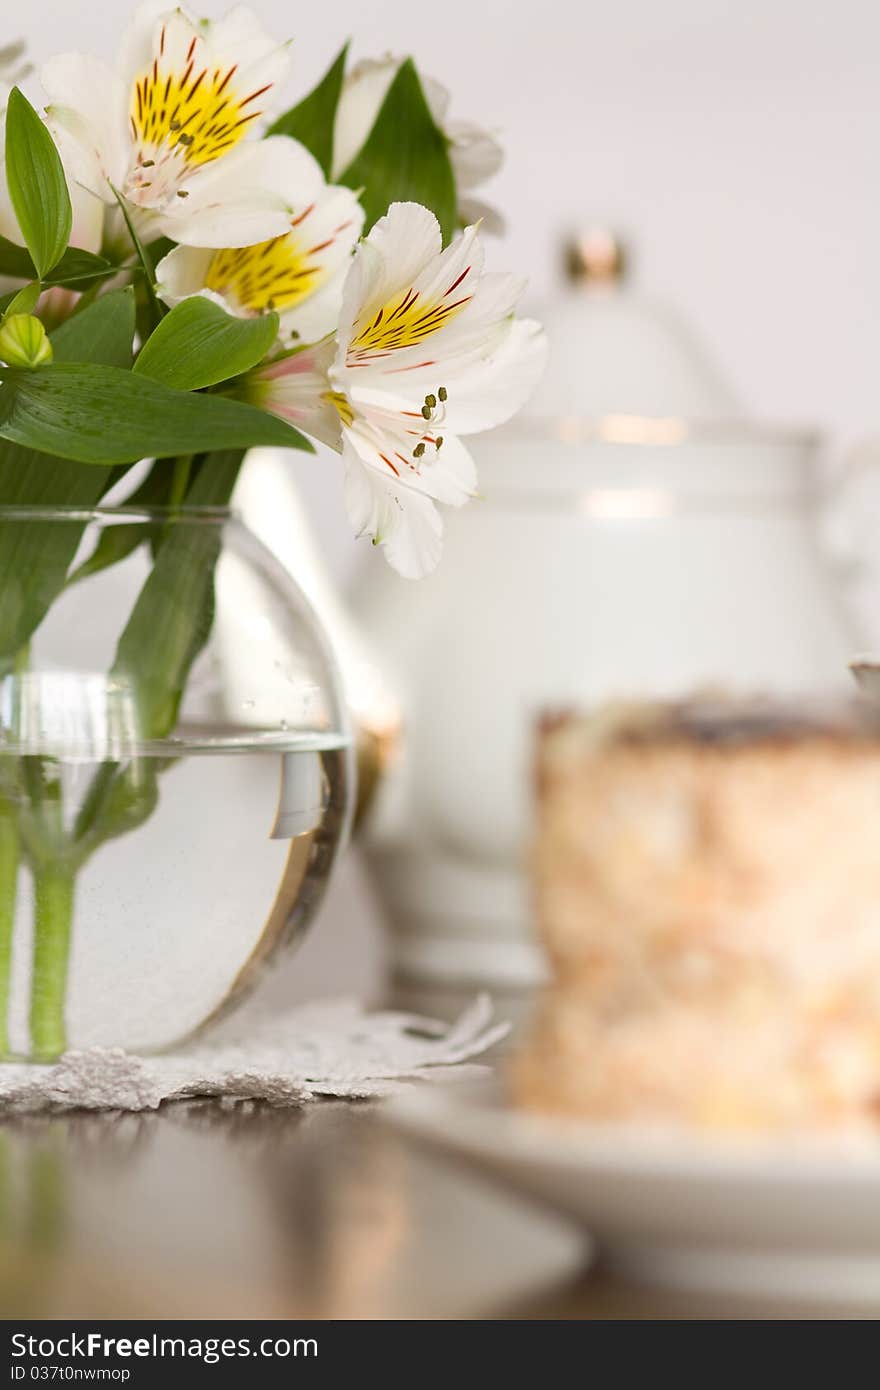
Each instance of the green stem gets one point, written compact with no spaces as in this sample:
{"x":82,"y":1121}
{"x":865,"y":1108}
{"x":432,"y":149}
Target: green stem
{"x":180,"y":479}
{"x":154,"y":307}
{"x":9,"y":856}
{"x":53,"y":917}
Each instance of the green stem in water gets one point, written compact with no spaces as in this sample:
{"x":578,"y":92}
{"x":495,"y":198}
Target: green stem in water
{"x":53,"y":917}
{"x":180,"y":479}
{"x":9,"y":856}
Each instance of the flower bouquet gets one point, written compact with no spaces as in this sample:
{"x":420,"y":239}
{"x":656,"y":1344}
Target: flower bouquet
{"x":189,"y":270}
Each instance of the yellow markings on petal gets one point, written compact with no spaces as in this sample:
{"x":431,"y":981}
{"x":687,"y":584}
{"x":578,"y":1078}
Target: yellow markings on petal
{"x":405,"y":321}
{"x":198,"y":112}
{"x":341,"y":405}
{"x":273,"y":274}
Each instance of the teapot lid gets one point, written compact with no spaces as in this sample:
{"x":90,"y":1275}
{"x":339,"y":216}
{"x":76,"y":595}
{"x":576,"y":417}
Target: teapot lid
{"x":614,"y":353}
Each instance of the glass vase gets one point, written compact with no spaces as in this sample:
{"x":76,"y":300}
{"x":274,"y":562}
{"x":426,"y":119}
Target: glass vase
{"x":175,"y":773}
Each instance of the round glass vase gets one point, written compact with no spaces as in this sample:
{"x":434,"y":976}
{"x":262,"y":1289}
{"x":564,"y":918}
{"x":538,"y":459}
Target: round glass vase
{"x":175,"y":773}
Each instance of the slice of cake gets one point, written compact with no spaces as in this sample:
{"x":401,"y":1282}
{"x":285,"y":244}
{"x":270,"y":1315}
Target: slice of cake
{"x":707,"y":882}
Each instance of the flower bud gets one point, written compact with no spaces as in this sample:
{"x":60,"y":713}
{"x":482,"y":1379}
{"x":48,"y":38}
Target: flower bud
{"x":24,"y":342}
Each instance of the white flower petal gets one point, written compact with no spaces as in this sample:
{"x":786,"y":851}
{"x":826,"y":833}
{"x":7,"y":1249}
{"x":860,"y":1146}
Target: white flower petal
{"x":492,"y":391}
{"x":469,"y":336}
{"x":437,"y":97}
{"x":405,"y":523}
{"x":138,"y":45}
{"x":475,"y":154}
{"x":458,"y":320}
{"x":219,"y":221}
{"x":449,"y":473}
{"x":240,"y":36}
{"x":316,"y":315}
{"x":87,"y":114}
{"x":363,"y":92}
{"x":324,"y":238}
{"x":165,"y":31}
{"x":394,"y":253}
{"x":87,"y":228}
{"x":382,"y":441}
{"x":238,"y":200}
{"x":335,"y":218}
{"x":8,"y":221}
{"x":296,"y":389}
{"x":284,"y":165}
{"x":456,"y":272}
{"x":182,"y":273}
{"x":481,"y":392}
{"x":489,"y":218}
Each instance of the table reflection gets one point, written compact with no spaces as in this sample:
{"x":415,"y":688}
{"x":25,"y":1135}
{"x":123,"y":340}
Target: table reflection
{"x":215,"y":1210}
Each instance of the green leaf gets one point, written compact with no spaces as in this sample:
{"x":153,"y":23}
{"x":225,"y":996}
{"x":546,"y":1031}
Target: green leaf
{"x":198,"y":344}
{"x":76,"y":269}
{"x":167,"y":629}
{"x":405,"y":157}
{"x":101,"y":333}
{"x":172,"y":618}
{"x":312,"y":121}
{"x":24,"y":301}
{"x":104,"y":415}
{"x":121,"y":797}
{"x":37,"y":186}
{"x":79,"y":270}
{"x":116,"y":543}
{"x":34,"y":556}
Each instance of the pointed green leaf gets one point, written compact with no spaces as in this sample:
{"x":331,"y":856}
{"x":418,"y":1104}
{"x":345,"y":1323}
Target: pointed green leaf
{"x":172,"y":618}
{"x":35,"y":557}
{"x":104,"y":415}
{"x":76,"y":270}
{"x":405,"y":157}
{"x":16,"y":260}
{"x":198,"y":344}
{"x":311,"y":122}
{"x":165,"y":632}
{"x":101,"y":333}
{"x":24,"y":301}
{"x":37,"y":186}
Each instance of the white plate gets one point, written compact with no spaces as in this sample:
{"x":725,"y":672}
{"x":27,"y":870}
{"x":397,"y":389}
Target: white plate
{"x":788,"y":1218}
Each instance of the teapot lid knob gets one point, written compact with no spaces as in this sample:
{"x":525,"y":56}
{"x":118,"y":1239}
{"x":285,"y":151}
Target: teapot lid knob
{"x":595,"y":256}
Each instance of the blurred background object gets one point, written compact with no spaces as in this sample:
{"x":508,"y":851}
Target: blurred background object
{"x":633,"y":539}
{"x":614,"y":352}
{"x":269,"y":498}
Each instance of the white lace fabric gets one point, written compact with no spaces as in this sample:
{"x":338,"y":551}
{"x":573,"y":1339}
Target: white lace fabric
{"x":334,"y":1048}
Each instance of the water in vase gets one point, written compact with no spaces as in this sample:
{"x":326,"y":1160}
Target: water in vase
{"x":140,"y":897}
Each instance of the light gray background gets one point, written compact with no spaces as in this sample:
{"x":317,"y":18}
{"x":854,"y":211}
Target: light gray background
{"x":737,"y":145}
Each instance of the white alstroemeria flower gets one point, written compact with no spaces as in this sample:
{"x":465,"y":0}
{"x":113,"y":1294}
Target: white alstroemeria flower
{"x":300,"y":274}
{"x":427,"y":349}
{"x":474,"y":153}
{"x":168,"y":129}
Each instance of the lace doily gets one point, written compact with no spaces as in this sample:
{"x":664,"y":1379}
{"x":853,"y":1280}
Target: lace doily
{"x":334,"y":1048}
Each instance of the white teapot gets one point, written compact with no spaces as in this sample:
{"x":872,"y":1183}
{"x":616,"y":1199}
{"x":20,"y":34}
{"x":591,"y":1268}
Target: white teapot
{"x":635,"y":539}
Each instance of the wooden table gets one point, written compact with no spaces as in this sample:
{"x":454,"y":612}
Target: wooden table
{"x":209,"y":1211}
{"x":204,"y":1211}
